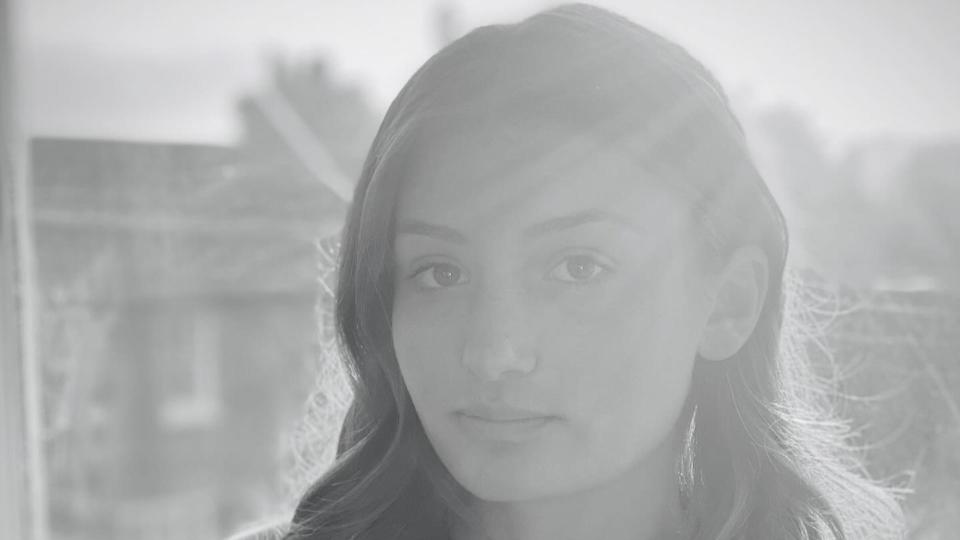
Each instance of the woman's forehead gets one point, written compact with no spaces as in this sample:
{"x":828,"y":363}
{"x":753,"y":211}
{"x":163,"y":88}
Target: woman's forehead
{"x":517,"y":173}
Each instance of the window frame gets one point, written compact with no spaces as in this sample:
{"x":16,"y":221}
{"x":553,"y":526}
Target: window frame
{"x":23,"y":500}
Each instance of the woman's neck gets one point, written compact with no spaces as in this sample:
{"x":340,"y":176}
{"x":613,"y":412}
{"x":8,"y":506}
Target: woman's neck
{"x":642,"y":503}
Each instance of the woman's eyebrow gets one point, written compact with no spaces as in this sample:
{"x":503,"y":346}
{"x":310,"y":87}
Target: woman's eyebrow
{"x":439,"y":232}
{"x":449,"y":234}
{"x":593,"y":215}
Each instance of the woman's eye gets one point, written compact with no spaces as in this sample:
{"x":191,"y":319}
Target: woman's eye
{"x":439,"y":275}
{"x":577,"y":269}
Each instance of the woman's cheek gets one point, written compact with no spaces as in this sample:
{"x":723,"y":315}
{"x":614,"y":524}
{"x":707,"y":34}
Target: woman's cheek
{"x":616,"y":340}
{"x":425,"y":337}
{"x":605,"y":310}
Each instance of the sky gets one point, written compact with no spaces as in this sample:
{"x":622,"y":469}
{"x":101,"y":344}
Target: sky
{"x":171,"y":70}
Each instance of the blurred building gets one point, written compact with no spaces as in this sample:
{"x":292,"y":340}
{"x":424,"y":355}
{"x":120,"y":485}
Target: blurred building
{"x":178,"y":300}
{"x":179,"y":290}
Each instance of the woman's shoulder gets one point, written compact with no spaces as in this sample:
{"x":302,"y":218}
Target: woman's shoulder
{"x":272,"y":529}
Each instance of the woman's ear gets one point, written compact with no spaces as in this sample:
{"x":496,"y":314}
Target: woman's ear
{"x":738,"y":299}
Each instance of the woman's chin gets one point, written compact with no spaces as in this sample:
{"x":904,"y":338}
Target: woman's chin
{"x":510,"y":479}
{"x":506,"y":488}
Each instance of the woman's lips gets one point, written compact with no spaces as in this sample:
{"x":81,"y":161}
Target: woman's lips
{"x":501,"y":412}
{"x":503,"y":429}
{"x":520,"y":420}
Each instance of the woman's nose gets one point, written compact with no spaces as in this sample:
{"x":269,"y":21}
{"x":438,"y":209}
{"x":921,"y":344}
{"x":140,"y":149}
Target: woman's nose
{"x":499,"y":340}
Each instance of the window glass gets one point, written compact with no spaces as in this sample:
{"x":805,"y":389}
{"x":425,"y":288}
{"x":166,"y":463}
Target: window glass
{"x":191,"y":164}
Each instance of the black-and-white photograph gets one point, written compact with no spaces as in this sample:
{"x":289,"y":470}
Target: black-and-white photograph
{"x":479,"y":270}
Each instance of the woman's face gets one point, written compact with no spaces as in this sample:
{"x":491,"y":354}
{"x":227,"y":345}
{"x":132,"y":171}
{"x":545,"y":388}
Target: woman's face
{"x":547,"y":310}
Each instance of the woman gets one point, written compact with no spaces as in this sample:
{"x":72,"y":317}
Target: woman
{"x":560,"y":301}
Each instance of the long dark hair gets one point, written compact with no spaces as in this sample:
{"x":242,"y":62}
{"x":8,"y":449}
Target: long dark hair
{"x":763,"y":458}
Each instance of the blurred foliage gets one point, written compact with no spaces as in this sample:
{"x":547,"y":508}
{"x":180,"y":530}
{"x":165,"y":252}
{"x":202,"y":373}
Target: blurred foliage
{"x":880,"y":213}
